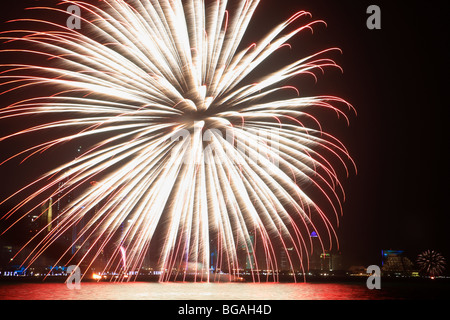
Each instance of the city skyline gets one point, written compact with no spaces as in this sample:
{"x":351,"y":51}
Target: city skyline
{"x":397,"y":198}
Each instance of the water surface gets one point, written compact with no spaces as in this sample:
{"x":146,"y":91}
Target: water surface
{"x":193,"y":291}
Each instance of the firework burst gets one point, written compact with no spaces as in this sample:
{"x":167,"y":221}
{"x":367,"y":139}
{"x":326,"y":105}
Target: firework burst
{"x":432,"y":263}
{"x":195,"y":157}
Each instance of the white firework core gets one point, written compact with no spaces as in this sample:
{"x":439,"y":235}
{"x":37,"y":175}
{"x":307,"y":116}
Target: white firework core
{"x":197,"y":159}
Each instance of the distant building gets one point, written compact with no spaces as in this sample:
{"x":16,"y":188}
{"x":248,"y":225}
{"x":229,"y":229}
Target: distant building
{"x":357,"y":270}
{"x":314,"y":262}
{"x":324,"y":260}
{"x":337,"y":261}
{"x":245,"y":254}
{"x":47,"y":215}
{"x":395,"y":263}
{"x":387,"y":254}
{"x":285,"y":264}
{"x":6,"y":253}
{"x":250,"y":259}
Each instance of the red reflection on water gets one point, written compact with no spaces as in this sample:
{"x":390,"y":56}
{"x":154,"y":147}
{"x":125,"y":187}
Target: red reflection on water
{"x":189,"y":291}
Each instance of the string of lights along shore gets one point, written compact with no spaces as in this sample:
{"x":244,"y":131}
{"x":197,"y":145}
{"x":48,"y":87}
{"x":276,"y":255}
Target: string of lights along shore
{"x":198,"y":153}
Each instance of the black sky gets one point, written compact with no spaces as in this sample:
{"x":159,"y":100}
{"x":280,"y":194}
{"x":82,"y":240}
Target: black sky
{"x":396,"y":78}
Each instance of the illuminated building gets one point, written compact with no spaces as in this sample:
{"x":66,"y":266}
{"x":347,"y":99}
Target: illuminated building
{"x":395,"y":263}
{"x":389,"y":254}
{"x":213,"y":260}
{"x":324,"y":260}
{"x":246,"y":258}
{"x":337,"y":261}
{"x":47,"y":215}
{"x":284,"y":261}
{"x":250,"y":260}
{"x":315,"y":261}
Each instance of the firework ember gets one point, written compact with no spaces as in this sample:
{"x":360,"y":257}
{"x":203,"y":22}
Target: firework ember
{"x":432,"y":263}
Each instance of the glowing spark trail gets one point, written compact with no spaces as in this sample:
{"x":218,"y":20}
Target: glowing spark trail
{"x":193,"y":160}
{"x":431,"y":263}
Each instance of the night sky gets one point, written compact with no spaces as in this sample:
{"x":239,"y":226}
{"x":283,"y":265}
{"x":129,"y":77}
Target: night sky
{"x":396,"y":78}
